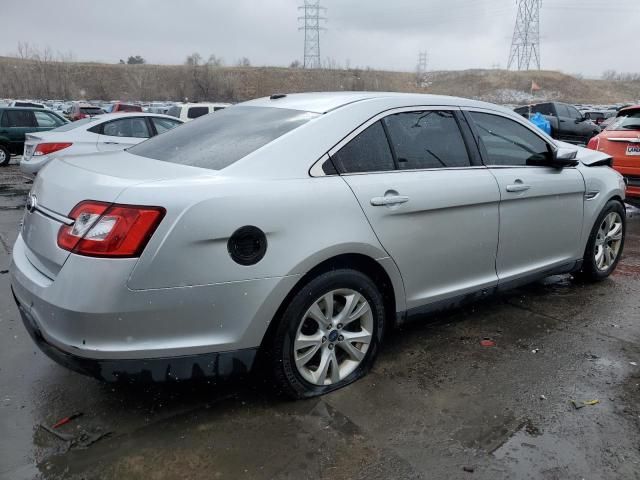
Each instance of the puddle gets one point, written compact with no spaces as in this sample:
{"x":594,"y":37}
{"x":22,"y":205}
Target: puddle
{"x":530,"y":455}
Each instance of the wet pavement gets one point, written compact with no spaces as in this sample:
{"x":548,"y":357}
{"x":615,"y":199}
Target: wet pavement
{"x":436,"y":405}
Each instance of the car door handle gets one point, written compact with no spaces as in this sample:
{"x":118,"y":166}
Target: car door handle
{"x":389,"y":200}
{"x":112,"y":143}
{"x":518,"y":187}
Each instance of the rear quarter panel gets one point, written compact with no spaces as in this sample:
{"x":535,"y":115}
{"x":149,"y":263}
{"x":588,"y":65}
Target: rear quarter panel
{"x":305,"y":220}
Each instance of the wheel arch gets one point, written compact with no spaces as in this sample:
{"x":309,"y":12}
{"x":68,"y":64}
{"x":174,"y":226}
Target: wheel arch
{"x":382,"y":271}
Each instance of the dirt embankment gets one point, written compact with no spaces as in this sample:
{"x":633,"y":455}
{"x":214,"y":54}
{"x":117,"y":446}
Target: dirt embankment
{"x":50,"y":79}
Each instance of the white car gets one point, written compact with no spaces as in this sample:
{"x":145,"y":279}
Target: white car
{"x":189,"y":111}
{"x":114,"y":131}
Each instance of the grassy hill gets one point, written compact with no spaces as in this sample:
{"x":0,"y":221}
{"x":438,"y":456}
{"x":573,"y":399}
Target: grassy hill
{"x":51,"y":79}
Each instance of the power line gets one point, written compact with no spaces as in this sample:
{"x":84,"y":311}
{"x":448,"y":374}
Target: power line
{"x":525,"y":44}
{"x":311,"y":26}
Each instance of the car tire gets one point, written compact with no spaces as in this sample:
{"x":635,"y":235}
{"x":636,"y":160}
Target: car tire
{"x":604,"y":238}
{"x":337,"y":366}
{"x":5,"y":156}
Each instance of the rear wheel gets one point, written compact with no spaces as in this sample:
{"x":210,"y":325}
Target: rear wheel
{"x":5,"y":156}
{"x":329,"y":334}
{"x":606,"y":242}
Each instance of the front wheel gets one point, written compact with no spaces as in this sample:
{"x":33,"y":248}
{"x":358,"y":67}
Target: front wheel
{"x":5,"y":156}
{"x":606,"y":243}
{"x":329,"y":334}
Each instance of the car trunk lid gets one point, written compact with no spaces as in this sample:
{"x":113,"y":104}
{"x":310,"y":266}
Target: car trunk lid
{"x":64,"y":183}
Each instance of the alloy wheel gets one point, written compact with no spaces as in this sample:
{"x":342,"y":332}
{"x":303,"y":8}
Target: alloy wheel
{"x":608,"y":241}
{"x":333,"y":337}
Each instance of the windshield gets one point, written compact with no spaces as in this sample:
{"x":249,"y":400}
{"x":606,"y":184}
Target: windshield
{"x":628,"y":121}
{"x":217,"y":141}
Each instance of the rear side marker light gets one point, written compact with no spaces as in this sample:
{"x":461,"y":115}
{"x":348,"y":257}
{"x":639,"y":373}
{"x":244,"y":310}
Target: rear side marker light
{"x":47,"y":148}
{"x":109,"y":230}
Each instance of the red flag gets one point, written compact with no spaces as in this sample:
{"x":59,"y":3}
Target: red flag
{"x":535,"y":86}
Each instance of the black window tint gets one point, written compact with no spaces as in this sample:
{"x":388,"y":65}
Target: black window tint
{"x":563,"y":111}
{"x":127,"y":127}
{"x":427,"y":139}
{"x":20,"y":118}
{"x":4,"y":120}
{"x":368,"y":152}
{"x":507,"y":142}
{"x":91,"y":110}
{"x":574,"y":113}
{"x":217,"y":141}
{"x":215,"y":109}
{"x":542,"y":108}
{"x":195,"y":112}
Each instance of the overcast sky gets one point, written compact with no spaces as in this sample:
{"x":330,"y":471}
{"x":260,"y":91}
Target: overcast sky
{"x":578,"y":36}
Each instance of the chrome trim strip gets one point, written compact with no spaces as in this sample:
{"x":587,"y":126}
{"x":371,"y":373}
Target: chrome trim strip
{"x":55,"y":216}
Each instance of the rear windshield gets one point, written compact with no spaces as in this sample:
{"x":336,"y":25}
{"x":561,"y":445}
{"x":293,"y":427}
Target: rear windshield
{"x":71,"y":125}
{"x":629,"y":121}
{"x":129,"y":108}
{"x":217,"y":141}
{"x":92,"y":110}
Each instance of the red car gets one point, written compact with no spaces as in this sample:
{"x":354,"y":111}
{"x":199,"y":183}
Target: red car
{"x":621,"y":140}
{"x":83,"y":110}
{"x":125,"y":107}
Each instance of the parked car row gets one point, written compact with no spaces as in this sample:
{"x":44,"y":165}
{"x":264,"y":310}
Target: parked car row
{"x":293,"y":231}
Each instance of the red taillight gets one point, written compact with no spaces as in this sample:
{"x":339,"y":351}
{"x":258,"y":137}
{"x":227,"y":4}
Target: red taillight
{"x":594,"y":143}
{"x":47,"y":148}
{"x":109,"y":230}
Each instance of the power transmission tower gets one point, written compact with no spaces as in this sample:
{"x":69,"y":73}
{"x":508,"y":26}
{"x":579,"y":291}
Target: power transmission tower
{"x":311,"y":25}
{"x":525,"y":45}
{"x":421,"y":68}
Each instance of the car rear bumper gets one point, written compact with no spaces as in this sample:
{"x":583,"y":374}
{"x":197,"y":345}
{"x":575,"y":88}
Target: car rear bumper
{"x":88,"y":312}
{"x":219,"y":365}
{"x":34,"y":164}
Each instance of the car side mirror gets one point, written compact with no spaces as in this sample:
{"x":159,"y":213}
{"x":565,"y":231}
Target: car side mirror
{"x":563,"y":157}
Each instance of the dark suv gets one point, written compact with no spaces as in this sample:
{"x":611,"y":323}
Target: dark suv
{"x":15,"y":122}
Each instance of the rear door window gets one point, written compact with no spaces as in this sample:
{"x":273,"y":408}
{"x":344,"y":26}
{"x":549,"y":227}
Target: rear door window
{"x":369,"y":151}
{"x":195,"y":112}
{"x":508,"y":143}
{"x":127,"y":127}
{"x":47,"y":120}
{"x":20,"y":118}
{"x":217,"y":141}
{"x":426,"y":139}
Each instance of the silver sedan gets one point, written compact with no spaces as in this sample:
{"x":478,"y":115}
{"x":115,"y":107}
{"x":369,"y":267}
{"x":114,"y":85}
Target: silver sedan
{"x":293,"y":231}
{"x":104,"y":133}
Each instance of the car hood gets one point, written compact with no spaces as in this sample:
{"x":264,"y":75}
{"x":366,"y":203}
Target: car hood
{"x":586,"y":156}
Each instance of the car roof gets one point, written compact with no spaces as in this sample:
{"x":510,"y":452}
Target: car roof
{"x":325,"y":102}
{"x":31,"y":109}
